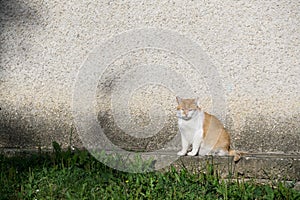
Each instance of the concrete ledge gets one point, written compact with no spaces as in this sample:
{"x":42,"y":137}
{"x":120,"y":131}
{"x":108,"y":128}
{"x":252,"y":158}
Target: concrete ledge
{"x":268,"y":166}
{"x":256,"y":166}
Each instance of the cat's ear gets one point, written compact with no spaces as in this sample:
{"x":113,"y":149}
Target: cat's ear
{"x":178,"y":99}
{"x":197,"y":102}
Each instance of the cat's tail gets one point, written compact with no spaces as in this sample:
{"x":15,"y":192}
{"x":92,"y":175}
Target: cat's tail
{"x":237,"y":155}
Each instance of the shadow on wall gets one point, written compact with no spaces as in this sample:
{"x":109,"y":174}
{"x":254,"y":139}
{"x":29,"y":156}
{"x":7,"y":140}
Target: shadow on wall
{"x":262,"y":135}
{"x":14,"y":131}
{"x":17,"y":11}
{"x":14,"y":15}
{"x":119,"y":138}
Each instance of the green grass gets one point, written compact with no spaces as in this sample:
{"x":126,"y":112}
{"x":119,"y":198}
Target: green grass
{"x":77,"y":175}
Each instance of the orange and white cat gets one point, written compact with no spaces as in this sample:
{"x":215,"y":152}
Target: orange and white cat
{"x":203,"y":131}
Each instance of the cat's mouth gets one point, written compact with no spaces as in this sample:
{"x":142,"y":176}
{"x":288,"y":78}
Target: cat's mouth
{"x":185,"y":117}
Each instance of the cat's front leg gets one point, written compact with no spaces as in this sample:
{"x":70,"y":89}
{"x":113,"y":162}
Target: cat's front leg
{"x":197,"y":140}
{"x":185,"y":145}
{"x":195,"y":149}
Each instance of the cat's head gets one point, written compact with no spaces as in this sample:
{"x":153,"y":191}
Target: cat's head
{"x":187,"y":107}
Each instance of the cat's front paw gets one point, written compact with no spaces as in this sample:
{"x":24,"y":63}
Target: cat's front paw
{"x":192,"y":153}
{"x":181,"y":153}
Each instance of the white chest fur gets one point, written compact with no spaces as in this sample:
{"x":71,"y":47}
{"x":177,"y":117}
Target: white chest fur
{"x":192,"y":128}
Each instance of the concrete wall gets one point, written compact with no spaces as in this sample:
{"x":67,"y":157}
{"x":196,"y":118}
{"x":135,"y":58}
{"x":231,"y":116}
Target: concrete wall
{"x":253,"y":46}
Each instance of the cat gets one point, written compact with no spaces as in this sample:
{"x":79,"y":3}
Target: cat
{"x":203,"y":131}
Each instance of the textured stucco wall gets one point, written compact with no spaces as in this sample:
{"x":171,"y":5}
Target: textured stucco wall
{"x":254,"y":46}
